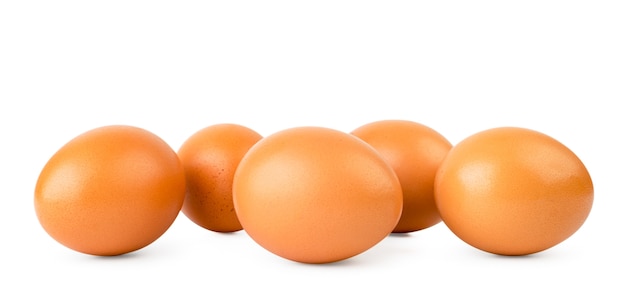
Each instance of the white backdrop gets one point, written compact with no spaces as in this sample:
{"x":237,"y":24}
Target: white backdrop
{"x":173,"y":67}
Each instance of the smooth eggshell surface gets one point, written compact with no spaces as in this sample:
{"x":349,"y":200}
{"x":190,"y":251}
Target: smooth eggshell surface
{"x":210,"y":157}
{"x":316,"y":195}
{"x":513,"y":191}
{"x":415,"y":152}
{"x":110,"y":191}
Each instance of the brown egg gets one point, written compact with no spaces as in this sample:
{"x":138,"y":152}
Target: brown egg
{"x":210,"y":158}
{"x":415,"y":152}
{"x":110,"y":191}
{"x":316,"y":195}
{"x":513,"y":191}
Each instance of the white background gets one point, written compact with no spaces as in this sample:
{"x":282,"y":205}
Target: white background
{"x":173,"y":67}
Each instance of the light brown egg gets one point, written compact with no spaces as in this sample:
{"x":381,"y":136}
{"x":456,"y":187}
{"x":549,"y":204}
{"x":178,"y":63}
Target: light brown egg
{"x":110,"y":191}
{"x":210,"y":157}
{"x":415,"y":152}
{"x":316,"y":195}
{"x":513,"y":191}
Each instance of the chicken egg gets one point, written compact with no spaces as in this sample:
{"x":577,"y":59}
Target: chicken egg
{"x":210,"y":157}
{"x":415,"y":152}
{"x":110,"y":191}
{"x":513,"y":191}
{"x":316,"y":195}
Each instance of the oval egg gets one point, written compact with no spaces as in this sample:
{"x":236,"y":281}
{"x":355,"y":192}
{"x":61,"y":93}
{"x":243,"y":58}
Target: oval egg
{"x":110,"y":191}
{"x":415,"y":152}
{"x":513,"y":191}
{"x":316,"y":195}
{"x":210,"y":157}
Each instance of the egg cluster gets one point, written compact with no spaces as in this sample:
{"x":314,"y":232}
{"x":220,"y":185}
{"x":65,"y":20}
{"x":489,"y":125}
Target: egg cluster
{"x":314,"y":194}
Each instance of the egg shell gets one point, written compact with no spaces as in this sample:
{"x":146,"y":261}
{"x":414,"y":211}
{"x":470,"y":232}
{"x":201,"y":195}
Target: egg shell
{"x":210,"y":157}
{"x":316,"y":195}
{"x":415,"y":152}
{"x":513,"y":191}
{"x":110,"y":191}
